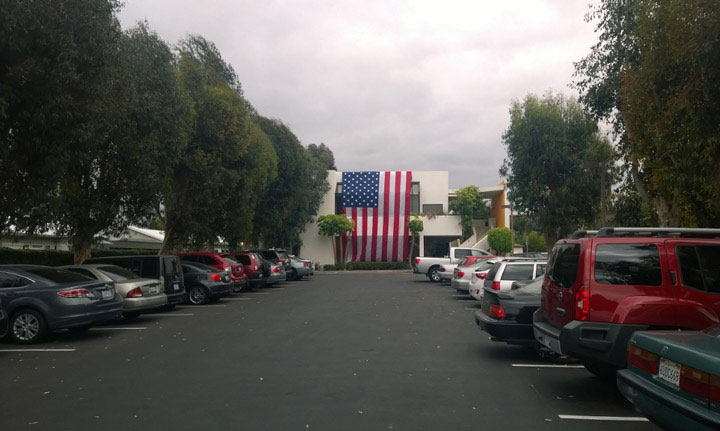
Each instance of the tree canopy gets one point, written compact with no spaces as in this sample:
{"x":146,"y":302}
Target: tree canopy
{"x":470,"y":205}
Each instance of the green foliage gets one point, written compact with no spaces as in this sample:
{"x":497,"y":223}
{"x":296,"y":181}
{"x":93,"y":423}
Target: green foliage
{"x":54,"y":257}
{"x":367,"y":266}
{"x":415,"y":226}
{"x":323,"y":155}
{"x":470,"y":205}
{"x":500,"y":240}
{"x":536,"y":242}
{"x":334,"y":224}
{"x":555,"y":165}
{"x":630,"y":210}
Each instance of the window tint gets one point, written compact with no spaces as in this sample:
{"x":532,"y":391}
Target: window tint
{"x":190,"y":258}
{"x":82,"y":271}
{"x":484,"y":266}
{"x":12,"y":280}
{"x":493,"y":271}
{"x":540,"y":270}
{"x":149,"y":267}
{"x":244,"y":259}
{"x":459,"y":252}
{"x":628,"y":264}
{"x":117,"y":273}
{"x":517,"y":272}
{"x":58,"y":275}
{"x":200,"y":267}
{"x":563,"y":266}
{"x":700,"y":266}
{"x":475,"y":252}
{"x":231,"y":261}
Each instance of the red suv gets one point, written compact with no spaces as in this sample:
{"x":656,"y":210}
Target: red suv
{"x":217,"y":261}
{"x":599,"y":290}
{"x":252,"y":266}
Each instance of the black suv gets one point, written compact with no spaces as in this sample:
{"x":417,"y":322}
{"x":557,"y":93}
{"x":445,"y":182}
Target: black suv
{"x":165,"y":268}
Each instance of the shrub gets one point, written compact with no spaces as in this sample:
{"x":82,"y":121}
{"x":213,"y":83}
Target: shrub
{"x":536,"y":242}
{"x":500,"y":240}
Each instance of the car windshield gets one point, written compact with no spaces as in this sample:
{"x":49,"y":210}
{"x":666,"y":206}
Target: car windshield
{"x":59,"y":276}
{"x":117,"y":274}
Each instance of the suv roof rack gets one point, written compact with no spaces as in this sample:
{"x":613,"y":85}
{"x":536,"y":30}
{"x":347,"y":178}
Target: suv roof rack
{"x":583,"y":233}
{"x":523,"y":259}
{"x":684,"y":232}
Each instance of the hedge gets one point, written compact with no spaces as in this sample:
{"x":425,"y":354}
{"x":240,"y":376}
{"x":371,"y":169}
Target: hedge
{"x":366,"y":266}
{"x":55,"y":257}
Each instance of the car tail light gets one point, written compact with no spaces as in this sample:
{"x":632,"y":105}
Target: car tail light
{"x":582,"y":303}
{"x":442,"y":269}
{"x":135,"y":293}
{"x":76,"y":293}
{"x":417,"y":261}
{"x":276,"y":269}
{"x":215,"y":277}
{"x":460,"y":274}
{"x":305,"y":264}
{"x":496,"y":285}
{"x":278,"y":261}
{"x":642,"y":359}
{"x":497,"y":311}
{"x":700,"y":383}
{"x":255,"y":268}
{"x":481,"y":275}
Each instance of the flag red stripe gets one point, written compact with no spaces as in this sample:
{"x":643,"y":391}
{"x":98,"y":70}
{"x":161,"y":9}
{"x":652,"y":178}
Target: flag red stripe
{"x":408,"y":188}
{"x":364,"y":234}
{"x":373,"y":245}
{"x":386,"y":215}
{"x":396,"y":217}
{"x":353,"y":243}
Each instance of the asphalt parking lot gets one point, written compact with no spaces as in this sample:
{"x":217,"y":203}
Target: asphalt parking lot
{"x":338,"y":352}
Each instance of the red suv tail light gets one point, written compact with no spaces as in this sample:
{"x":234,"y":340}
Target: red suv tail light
{"x":215,"y":277}
{"x":76,"y":293}
{"x":496,"y":285}
{"x":135,"y":293}
{"x":497,"y":311}
{"x":642,"y":359}
{"x":255,"y":268}
{"x":582,"y":303}
{"x":481,"y":275}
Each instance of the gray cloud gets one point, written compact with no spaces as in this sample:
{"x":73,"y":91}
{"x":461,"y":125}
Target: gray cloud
{"x":421,"y":85}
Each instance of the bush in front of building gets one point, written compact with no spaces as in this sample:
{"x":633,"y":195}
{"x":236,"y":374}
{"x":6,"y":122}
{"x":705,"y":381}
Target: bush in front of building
{"x":500,"y":240}
{"x":55,"y":257}
{"x":366,"y":266}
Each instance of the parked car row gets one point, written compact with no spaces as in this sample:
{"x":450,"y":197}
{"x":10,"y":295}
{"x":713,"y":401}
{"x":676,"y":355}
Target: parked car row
{"x":35,"y":300}
{"x":637,"y":305}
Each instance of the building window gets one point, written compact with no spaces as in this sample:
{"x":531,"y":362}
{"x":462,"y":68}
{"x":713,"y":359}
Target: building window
{"x":338,"y":198}
{"x":432,"y":209}
{"x":414,"y":198}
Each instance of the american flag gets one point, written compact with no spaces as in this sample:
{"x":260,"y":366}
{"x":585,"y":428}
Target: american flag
{"x":379,"y":204}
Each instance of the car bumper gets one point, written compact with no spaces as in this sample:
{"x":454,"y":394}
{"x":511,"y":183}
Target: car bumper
{"x":302,"y":271}
{"x":508,"y":331}
{"x":104,"y":312}
{"x":662,"y":406}
{"x":598,"y":342}
{"x":176,"y":297}
{"x":219,"y":290}
{"x":417,"y":271}
{"x":144,"y":303}
{"x":275,"y":277}
{"x":446,"y":276}
{"x":460,"y":284}
{"x":237,"y":286}
{"x":476,"y":292}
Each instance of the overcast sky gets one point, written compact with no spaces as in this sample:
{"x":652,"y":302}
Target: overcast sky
{"x":389,"y":84}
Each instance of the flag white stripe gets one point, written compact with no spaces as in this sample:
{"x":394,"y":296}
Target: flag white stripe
{"x":381,"y":207}
{"x":403,"y":210}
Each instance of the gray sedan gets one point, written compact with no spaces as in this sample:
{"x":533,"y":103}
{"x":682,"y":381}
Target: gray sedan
{"x":39,"y":299}
{"x":139,"y":295}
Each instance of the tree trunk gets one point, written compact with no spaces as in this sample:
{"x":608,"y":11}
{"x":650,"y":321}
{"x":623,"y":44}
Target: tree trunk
{"x":412,"y":249}
{"x":171,"y":243}
{"x":81,"y":247}
{"x":335,"y":247}
{"x":663,"y":207}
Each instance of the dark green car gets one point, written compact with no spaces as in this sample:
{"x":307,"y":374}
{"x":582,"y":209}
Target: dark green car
{"x":673,"y":378}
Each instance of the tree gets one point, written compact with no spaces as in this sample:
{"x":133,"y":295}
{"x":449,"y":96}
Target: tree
{"x":470,"y":205}
{"x":500,"y":240}
{"x":324,"y":155}
{"x":669,"y":107}
{"x":536,"y":242}
{"x":629,"y":209}
{"x":335,"y":225}
{"x":200,"y":201}
{"x":554,"y":155}
{"x":415,"y":226}
{"x":76,"y":135}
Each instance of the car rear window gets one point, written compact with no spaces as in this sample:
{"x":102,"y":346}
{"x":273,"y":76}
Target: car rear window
{"x":59,"y":276}
{"x":117,"y":273}
{"x":484,"y":266}
{"x":517,"y":272}
{"x":493,"y":271}
{"x":628,"y":264}
{"x":244,"y":259}
{"x":563,"y":266}
{"x":200,"y":266}
{"x":700,"y":266}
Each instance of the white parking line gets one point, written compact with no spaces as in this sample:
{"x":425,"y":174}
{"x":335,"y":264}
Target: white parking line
{"x":235,"y":299}
{"x":257,"y":293}
{"x":168,"y":314}
{"x":201,"y":306}
{"x":605,"y":418}
{"x":126,"y":328}
{"x":37,"y":350}
{"x":547,"y":366}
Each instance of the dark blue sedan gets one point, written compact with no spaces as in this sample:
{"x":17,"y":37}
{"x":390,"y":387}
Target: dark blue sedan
{"x":39,"y":299}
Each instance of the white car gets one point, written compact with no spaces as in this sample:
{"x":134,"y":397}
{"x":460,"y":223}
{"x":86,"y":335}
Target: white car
{"x":502,"y":275}
{"x":465,"y":275}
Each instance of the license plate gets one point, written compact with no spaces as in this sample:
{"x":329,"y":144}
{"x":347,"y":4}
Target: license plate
{"x":153,"y":290}
{"x":176,"y":286}
{"x":107,"y":294}
{"x":669,"y":371}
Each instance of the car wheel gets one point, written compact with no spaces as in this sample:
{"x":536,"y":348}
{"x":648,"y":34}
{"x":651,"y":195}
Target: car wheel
{"x":603,"y":371}
{"x":131,"y":316}
{"x":197,"y":295}
{"x":434,"y":274}
{"x":27,"y":326}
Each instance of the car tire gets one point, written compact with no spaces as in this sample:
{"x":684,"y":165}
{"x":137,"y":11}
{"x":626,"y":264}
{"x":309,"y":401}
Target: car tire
{"x":27,"y":326}
{"x":131,"y":316}
{"x":434,"y":274}
{"x":602,"y":371}
{"x":197,"y":295}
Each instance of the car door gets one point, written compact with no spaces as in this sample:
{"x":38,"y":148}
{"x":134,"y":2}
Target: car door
{"x":695,"y":274}
{"x":12,"y":287}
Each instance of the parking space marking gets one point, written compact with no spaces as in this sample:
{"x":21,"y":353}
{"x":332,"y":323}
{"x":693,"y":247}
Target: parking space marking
{"x":605,"y":418}
{"x":126,"y":328}
{"x":37,"y":350}
{"x":236,"y":299}
{"x":257,"y":293}
{"x":474,"y":309}
{"x":169,"y":314}
{"x":201,"y":306}
{"x":547,"y":366}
